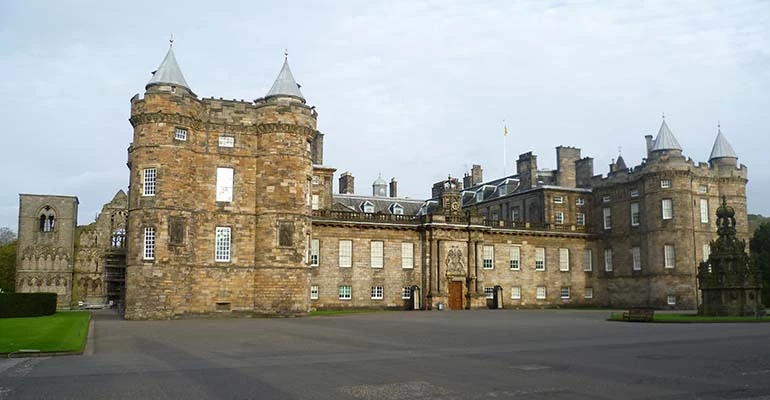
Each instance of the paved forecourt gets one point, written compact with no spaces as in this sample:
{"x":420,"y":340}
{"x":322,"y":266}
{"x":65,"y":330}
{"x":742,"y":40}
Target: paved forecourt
{"x":500,"y":354}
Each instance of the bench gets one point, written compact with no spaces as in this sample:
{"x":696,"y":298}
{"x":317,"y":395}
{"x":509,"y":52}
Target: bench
{"x":639,"y":314}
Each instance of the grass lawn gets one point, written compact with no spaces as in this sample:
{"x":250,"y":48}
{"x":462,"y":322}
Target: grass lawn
{"x":693,"y":318}
{"x":63,"y":331}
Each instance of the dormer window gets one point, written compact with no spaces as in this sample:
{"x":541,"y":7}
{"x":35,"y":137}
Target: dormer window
{"x":367,"y":207}
{"x":480,"y":195}
{"x":180,"y":134}
{"x":558,"y":199}
{"x":503,"y":190}
{"x":397,"y":209}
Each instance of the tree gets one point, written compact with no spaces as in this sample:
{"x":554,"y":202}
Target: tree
{"x":7,"y":235}
{"x":8,"y":267}
{"x":760,"y":254}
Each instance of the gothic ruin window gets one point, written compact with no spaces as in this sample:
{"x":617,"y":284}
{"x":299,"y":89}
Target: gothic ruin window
{"x":118,"y":238}
{"x":47,"y":219}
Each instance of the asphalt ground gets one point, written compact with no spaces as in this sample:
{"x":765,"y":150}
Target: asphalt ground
{"x":486,"y":354}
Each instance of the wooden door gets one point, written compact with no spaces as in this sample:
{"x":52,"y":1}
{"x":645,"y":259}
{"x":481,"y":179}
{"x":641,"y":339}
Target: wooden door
{"x":456,"y":295}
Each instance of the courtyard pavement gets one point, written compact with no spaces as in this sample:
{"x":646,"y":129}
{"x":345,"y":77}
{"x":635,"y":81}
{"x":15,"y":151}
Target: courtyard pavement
{"x":486,"y":354}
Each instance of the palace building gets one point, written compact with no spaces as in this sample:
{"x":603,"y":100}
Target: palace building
{"x":230,"y":209}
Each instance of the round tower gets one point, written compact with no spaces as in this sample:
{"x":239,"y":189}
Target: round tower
{"x":285,"y":129}
{"x":165,"y":122}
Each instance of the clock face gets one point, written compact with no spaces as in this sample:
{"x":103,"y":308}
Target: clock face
{"x":455,"y":206}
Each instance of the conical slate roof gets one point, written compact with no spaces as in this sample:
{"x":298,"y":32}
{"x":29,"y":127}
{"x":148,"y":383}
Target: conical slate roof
{"x":168,"y":72}
{"x":665,"y":139}
{"x":621,"y":164}
{"x":722,"y":148}
{"x":285,"y":85}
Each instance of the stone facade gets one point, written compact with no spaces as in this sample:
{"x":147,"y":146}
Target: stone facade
{"x":46,"y":249}
{"x":231,"y":211}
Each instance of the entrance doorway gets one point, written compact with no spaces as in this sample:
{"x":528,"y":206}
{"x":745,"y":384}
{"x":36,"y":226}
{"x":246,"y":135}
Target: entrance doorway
{"x":456,"y":295}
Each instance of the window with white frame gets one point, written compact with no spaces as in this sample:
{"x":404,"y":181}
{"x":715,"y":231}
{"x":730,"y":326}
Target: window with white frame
{"x":667,"y":207}
{"x":704,"y":211}
{"x":589,"y":293}
{"x":703,"y":189}
{"x":669,"y":256}
{"x":607,"y":217}
{"x":564,"y":292}
{"x":315,"y":252}
{"x":558,"y":199}
{"x":489,"y":292}
{"x":376,"y":257}
{"x":308,"y":195}
{"x":671,"y":300}
{"x":503,"y":190}
{"x":367,"y":207}
{"x":149,"y":243}
{"x":706,"y":251}
{"x":345,"y":292}
{"x":489,"y":257}
{"x":540,"y":293}
{"x":539,"y":258}
{"x":222,"y":244}
{"x":563,"y":259}
{"x":515,"y":262}
{"x":606,"y":199}
{"x":588,"y":260}
{"x":314,"y":292}
{"x":224,"y":184}
{"x":377,"y":292}
{"x":180,"y":134}
{"x":608,"y":260}
{"x":516,"y":293}
{"x":315,"y":202}
{"x":316,"y":179}
{"x":515,"y":214}
{"x":636,"y":258}
{"x":149,"y":176}
{"x":346,"y":253}
{"x":407,"y":255}
{"x":559,"y":218}
{"x":634,"y":193}
{"x":226,"y":141}
{"x":665,"y":183}
{"x":580,"y":201}
{"x":398,"y":209}
{"x":406,"y":293}
{"x":480,"y":195}
{"x":634,"y":214}
{"x":580,"y":218}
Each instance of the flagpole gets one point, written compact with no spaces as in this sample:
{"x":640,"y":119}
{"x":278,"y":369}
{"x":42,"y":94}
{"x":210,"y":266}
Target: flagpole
{"x":505,"y":139}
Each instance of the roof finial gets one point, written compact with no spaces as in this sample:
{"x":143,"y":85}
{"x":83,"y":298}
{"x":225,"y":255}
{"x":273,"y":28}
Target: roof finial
{"x":620,"y":151}
{"x":285,"y":54}
{"x":171,"y":41}
{"x":663,"y":116}
{"x":719,"y":125}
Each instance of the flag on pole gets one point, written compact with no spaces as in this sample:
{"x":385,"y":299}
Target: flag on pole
{"x":505,"y":130}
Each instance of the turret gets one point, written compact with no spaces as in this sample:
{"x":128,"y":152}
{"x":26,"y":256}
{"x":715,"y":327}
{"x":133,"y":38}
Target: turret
{"x":285,"y":85}
{"x":665,"y":143}
{"x":168,"y":77}
{"x":722,"y":153}
{"x":379,"y":187}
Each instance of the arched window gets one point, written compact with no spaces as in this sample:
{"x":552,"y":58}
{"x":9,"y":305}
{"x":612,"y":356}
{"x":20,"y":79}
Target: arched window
{"x":47,"y":219}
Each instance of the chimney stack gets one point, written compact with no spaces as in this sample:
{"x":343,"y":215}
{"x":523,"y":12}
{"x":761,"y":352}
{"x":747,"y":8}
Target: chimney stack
{"x":476,"y":175}
{"x":347,"y":183}
{"x":648,"y":139}
{"x":393,"y":187}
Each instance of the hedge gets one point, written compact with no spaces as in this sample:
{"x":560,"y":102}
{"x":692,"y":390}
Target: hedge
{"x":14,"y":305}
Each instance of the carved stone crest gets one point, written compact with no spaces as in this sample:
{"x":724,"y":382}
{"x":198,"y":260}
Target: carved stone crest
{"x":454,"y":260}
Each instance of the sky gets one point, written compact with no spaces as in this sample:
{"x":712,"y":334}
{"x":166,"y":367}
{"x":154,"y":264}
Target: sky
{"x":416,"y":90}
